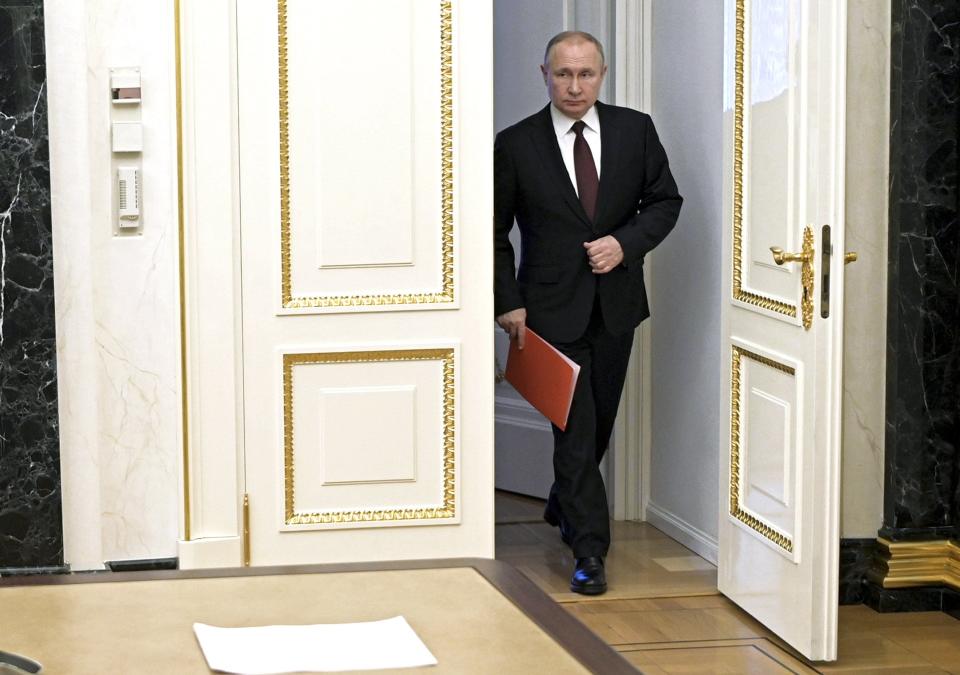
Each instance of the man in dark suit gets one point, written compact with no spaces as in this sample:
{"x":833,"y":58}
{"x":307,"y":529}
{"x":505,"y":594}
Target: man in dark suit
{"x":591,"y":191}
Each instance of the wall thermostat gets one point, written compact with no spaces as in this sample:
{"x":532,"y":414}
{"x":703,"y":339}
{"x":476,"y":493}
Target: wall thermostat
{"x":128,"y":197}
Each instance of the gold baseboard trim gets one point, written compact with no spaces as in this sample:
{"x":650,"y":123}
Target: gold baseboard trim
{"x":908,"y":564}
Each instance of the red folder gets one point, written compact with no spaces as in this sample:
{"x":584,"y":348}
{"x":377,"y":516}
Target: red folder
{"x":544,"y":376}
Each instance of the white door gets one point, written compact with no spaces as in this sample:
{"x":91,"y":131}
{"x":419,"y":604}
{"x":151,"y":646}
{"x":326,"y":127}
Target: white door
{"x":365,"y":210}
{"x":361,"y":383}
{"x":780,"y":446}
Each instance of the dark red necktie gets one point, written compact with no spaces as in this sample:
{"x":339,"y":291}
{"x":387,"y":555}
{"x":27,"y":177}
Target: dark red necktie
{"x":586,"y":171}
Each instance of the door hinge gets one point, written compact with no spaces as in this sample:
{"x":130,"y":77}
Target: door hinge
{"x":246,"y":530}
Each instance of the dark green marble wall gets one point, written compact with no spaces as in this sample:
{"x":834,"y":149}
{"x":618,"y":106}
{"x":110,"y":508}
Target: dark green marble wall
{"x":31,"y":530}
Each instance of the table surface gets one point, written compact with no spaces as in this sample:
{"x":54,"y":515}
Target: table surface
{"x":476,"y":616}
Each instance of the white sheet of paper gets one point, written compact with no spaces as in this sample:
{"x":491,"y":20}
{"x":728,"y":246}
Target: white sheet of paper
{"x":329,"y":647}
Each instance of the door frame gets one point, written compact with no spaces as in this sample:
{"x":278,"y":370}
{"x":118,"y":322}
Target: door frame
{"x":212,"y":471}
{"x":210,"y":535}
{"x":631,"y":449}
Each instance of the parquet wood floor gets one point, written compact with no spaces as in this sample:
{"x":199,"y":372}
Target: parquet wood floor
{"x":663,"y":612}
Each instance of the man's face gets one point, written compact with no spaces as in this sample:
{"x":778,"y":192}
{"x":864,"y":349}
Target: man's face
{"x":573,"y":76}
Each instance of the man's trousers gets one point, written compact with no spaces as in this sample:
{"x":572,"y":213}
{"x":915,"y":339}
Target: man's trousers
{"x":578,"y":496}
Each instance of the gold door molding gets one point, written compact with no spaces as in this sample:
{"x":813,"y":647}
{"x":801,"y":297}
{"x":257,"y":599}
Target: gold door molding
{"x":736,"y":508}
{"x":445,"y":294}
{"x":446,"y":509}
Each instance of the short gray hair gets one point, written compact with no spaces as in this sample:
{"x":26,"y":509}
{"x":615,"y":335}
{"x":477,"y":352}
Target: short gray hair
{"x":575,"y":36}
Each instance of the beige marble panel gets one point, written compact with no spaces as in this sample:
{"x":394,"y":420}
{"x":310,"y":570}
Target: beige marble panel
{"x":865,"y":311}
{"x":135,"y":298}
{"x":116,"y":297}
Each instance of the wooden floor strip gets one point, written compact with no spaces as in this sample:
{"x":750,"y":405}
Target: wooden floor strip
{"x":716,"y":656}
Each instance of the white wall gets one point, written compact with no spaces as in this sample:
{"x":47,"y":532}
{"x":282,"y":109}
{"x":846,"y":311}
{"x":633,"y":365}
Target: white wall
{"x":116,"y":297}
{"x":684,"y":274}
{"x":520,"y":32}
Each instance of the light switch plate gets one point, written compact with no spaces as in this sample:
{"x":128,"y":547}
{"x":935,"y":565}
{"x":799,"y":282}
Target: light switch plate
{"x":127,"y":137}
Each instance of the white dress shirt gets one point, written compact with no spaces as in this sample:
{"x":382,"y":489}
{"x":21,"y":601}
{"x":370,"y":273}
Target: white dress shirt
{"x":563,"y":126}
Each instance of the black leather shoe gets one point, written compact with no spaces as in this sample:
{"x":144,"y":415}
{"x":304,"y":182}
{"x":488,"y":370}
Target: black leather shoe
{"x":589,"y":577}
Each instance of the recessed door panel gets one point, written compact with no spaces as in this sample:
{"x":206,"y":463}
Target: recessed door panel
{"x":768,"y":92}
{"x":366,"y":155}
{"x":361,"y":212}
{"x":368,"y":438}
{"x":764,"y":462}
{"x":773,"y":171}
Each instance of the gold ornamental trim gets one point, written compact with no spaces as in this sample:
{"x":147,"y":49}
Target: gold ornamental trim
{"x":736,"y":509}
{"x":749,"y":297}
{"x":910,"y":564}
{"x":807,"y":278}
{"x":182,"y":279}
{"x":446,"y":292}
{"x":447,"y":507}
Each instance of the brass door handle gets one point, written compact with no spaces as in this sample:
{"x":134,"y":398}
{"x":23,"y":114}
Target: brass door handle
{"x":849,"y":257}
{"x":780,"y":256}
{"x":806,"y":256}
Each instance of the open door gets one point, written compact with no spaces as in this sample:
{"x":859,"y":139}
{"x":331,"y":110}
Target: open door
{"x":783,"y":331}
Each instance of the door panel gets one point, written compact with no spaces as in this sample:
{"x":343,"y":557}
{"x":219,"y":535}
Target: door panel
{"x":369,"y":162}
{"x":772,"y":127}
{"x":365,"y":192}
{"x":367,"y":439}
{"x":780,"y":454}
{"x":765,"y":397}
{"x":764,"y":466}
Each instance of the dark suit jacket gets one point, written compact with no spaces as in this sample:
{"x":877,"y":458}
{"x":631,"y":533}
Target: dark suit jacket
{"x":638,"y":204}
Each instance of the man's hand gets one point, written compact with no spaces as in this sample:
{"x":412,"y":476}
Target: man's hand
{"x":604,"y":254}
{"x":514,"y":323}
